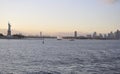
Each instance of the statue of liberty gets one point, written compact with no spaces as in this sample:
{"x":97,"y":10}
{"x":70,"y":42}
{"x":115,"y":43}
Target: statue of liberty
{"x":9,"y":29}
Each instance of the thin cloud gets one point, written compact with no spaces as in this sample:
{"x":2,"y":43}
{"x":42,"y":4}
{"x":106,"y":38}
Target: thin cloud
{"x":110,"y":1}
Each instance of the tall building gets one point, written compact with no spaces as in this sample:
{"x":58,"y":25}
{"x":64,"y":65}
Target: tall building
{"x":95,"y":35}
{"x":75,"y":34}
{"x":117,"y":34}
{"x":100,"y":36}
{"x":111,"y":35}
{"x":9,"y":30}
{"x":40,"y":34}
{"x":105,"y":36}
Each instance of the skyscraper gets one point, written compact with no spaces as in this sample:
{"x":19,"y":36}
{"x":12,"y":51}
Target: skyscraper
{"x":9,"y":30}
{"x":75,"y":34}
{"x":40,"y":34}
{"x":117,"y":34}
{"x":100,"y":36}
{"x":105,"y":36}
{"x":95,"y":35}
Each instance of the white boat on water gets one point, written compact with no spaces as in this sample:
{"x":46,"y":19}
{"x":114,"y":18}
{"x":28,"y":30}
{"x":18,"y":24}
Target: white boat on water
{"x":59,"y":38}
{"x":71,"y":40}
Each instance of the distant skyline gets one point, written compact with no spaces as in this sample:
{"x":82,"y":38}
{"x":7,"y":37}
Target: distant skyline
{"x":60,"y":16}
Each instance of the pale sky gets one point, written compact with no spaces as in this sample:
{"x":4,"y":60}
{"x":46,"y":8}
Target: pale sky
{"x":60,"y":16}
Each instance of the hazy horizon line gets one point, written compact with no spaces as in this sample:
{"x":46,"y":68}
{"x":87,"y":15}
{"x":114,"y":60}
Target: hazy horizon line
{"x":71,"y":33}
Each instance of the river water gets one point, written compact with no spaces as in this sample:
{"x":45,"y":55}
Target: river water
{"x":30,"y":56}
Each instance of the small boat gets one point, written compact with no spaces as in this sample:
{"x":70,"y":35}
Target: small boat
{"x":59,"y":38}
{"x":71,"y":39}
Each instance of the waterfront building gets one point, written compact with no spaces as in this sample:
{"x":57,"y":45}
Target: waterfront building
{"x":40,"y":34}
{"x":111,"y":35}
{"x":89,"y":36}
{"x":105,"y":36}
{"x":75,"y":34}
{"x":95,"y":35}
{"x":100,"y":36}
{"x":117,"y":34}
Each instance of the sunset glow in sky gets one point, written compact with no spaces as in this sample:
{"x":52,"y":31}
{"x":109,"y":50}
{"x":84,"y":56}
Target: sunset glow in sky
{"x":54,"y":16}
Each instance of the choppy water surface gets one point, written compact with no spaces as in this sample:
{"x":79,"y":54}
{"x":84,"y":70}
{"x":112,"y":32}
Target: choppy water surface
{"x":60,"y":57}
